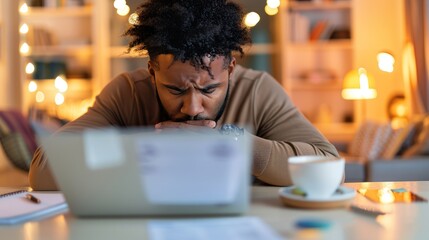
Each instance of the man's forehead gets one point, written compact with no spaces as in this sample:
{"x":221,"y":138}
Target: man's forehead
{"x":166,"y":62}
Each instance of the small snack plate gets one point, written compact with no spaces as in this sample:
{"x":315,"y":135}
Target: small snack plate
{"x":341,"y":198}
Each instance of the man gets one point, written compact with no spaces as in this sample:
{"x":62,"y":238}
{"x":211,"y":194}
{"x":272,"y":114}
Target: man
{"x":193,"y":81}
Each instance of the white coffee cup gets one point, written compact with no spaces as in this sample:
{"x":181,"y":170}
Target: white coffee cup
{"x":318,"y":176}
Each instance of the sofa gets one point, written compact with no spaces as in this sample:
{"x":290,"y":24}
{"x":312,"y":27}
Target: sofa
{"x":415,"y":169}
{"x":380,"y":152}
{"x":18,"y":143}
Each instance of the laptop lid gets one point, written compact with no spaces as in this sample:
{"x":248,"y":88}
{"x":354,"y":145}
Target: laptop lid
{"x":126,"y":172}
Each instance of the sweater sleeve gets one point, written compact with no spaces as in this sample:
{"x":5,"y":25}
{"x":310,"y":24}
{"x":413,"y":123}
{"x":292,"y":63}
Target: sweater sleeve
{"x":109,"y":109}
{"x":282,"y":132}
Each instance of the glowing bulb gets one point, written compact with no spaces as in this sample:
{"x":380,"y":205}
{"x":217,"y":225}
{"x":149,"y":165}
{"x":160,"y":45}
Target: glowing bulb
{"x":271,"y":11}
{"x":60,"y":84}
{"x":23,"y":8}
{"x":118,"y":4}
{"x":23,"y":29}
{"x":32,"y":86}
{"x":40,"y":97}
{"x":24,"y":49}
{"x":251,"y":19}
{"x":29,"y":68}
{"x":363,"y":79}
{"x":273,"y":3}
{"x":59,"y":99}
{"x":401,"y":110}
{"x":133,"y":19}
{"x":123,"y":11}
{"x":385,"y":62}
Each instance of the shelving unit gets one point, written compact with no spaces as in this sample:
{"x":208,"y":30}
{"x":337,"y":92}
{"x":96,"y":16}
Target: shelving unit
{"x":316,"y":52}
{"x":1,"y":35}
{"x":87,"y":39}
{"x":60,"y":41}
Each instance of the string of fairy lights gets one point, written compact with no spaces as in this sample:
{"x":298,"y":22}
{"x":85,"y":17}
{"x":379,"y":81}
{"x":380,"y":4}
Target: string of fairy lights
{"x":123,"y":9}
{"x":250,"y":20}
{"x":60,"y":81}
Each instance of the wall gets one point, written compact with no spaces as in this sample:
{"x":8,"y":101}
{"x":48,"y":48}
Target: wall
{"x":2,"y":55}
{"x":10,"y":86}
{"x":9,"y":79}
{"x":380,"y":27}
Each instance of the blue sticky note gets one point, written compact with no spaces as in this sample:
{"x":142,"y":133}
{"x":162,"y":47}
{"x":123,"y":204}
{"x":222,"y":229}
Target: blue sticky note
{"x":313,"y":223}
{"x":399,"y":190}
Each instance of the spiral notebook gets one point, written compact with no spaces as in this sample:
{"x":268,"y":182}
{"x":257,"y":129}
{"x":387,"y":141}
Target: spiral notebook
{"x":16,"y":208}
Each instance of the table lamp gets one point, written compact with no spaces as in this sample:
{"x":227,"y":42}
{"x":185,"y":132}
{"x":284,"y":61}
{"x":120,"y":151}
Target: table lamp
{"x":358,"y":84}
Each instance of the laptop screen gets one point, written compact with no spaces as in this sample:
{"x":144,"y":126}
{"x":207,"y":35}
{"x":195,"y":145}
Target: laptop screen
{"x":173,"y":172}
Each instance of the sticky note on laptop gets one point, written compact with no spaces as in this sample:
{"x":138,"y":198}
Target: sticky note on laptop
{"x":103,"y":149}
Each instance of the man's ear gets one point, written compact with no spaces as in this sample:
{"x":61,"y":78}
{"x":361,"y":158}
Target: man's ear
{"x":231,"y":66}
{"x":151,"y":68}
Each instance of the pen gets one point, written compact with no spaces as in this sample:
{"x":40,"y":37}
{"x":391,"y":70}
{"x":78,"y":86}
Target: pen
{"x":32,"y":198}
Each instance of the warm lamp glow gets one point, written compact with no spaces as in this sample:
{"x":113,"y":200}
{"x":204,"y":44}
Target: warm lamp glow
{"x":273,"y":3}
{"x":24,"y":28}
{"x":385,"y":61}
{"x":23,"y":8}
{"x":358,"y":84}
{"x":59,"y":99}
{"x":32,"y":86}
{"x":29,"y":68}
{"x":24,"y":49}
{"x":397,"y":111}
{"x":133,"y":19}
{"x":271,"y":11}
{"x":251,"y":19}
{"x":123,"y":11}
{"x":61,"y":84}
{"x":118,"y":4}
{"x":40,"y":97}
{"x":122,"y":8}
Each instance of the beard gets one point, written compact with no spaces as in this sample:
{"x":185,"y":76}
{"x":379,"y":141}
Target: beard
{"x":223,"y":106}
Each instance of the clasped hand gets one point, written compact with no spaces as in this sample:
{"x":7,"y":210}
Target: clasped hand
{"x":189,"y":125}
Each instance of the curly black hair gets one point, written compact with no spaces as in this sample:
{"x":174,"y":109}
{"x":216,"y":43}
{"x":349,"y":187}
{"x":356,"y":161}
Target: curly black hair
{"x":189,"y":30}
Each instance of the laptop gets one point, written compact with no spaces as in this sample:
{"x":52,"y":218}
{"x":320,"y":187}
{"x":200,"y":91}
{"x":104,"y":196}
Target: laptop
{"x":137,"y":172}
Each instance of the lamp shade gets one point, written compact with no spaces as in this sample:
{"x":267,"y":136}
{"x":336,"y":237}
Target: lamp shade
{"x":358,"y":84}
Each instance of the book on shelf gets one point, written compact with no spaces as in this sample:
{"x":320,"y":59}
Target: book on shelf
{"x":39,"y":36}
{"x":318,"y":30}
{"x":299,"y":26}
{"x":56,"y":3}
{"x":327,"y":33}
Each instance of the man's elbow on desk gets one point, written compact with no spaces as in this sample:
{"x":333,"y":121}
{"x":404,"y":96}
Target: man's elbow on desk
{"x":40,"y":176}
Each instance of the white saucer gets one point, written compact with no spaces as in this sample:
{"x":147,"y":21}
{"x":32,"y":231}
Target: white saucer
{"x":341,"y":198}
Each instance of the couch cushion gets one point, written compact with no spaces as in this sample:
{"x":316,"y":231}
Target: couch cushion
{"x":354,"y":172}
{"x":421,"y":144}
{"x":370,"y":141}
{"x":17,"y":123}
{"x":400,"y":139}
{"x":17,"y":138}
{"x":416,"y":169}
{"x":17,"y":151}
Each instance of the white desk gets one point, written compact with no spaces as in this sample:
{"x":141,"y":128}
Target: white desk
{"x":406,"y":221}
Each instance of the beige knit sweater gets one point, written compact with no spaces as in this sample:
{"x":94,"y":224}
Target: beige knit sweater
{"x":257,"y":102}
